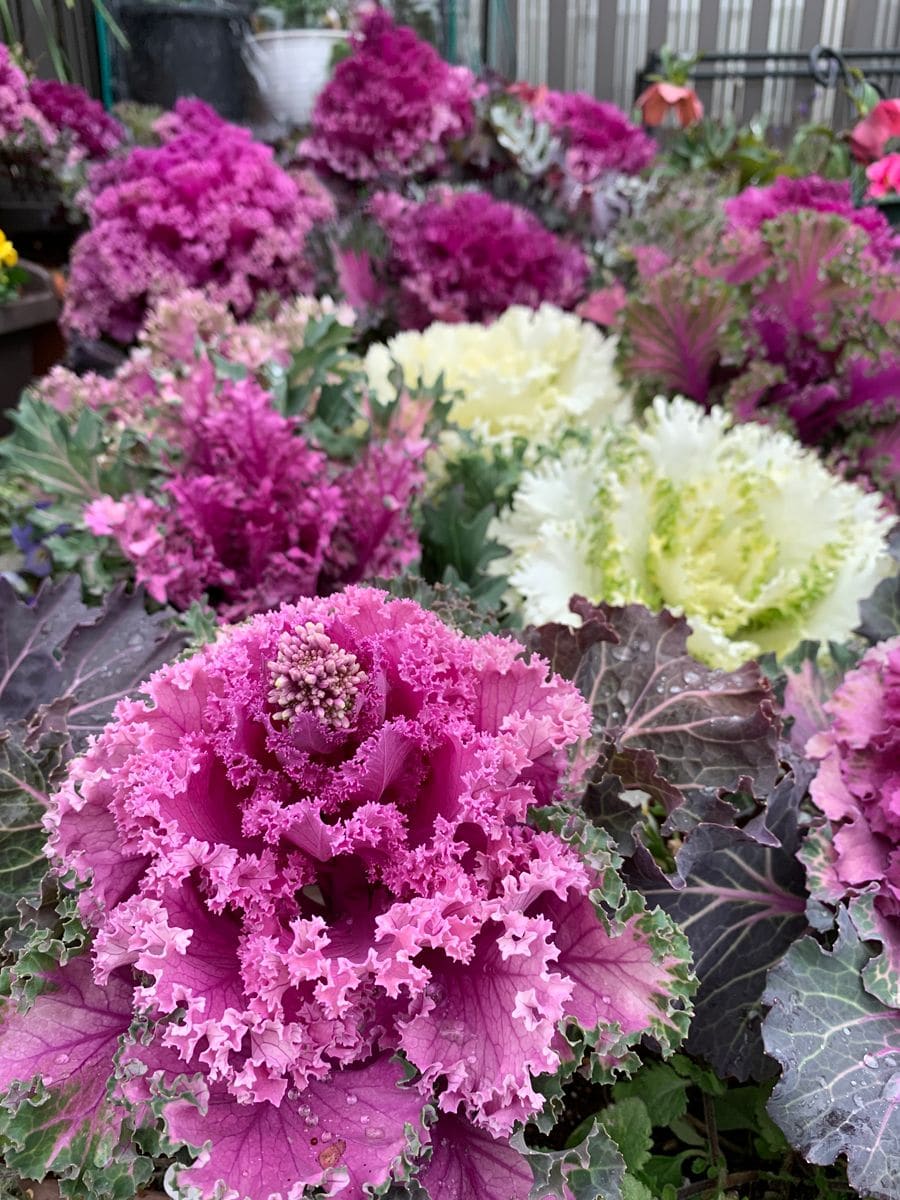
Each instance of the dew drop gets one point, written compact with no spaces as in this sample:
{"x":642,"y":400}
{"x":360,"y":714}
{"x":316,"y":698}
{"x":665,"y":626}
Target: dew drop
{"x":869,"y":1060}
{"x":691,"y":677}
{"x":61,"y":1059}
{"x":606,"y":1000}
{"x":375,"y":1133}
{"x":364,"y":1119}
{"x":326,"y":1136}
{"x":350,"y":1098}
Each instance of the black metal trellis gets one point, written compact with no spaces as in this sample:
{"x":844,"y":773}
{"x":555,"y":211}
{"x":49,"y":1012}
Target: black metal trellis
{"x":823,"y":65}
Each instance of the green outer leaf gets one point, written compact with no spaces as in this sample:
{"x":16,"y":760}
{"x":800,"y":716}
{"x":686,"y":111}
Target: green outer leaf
{"x":617,"y":907}
{"x":592,"y":1170}
{"x":24,"y":779}
{"x":839,"y":1049}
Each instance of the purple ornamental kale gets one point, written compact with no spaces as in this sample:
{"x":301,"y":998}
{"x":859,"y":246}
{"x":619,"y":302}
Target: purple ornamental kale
{"x":391,"y":108}
{"x":209,"y":209}
{"x":464,"y":256}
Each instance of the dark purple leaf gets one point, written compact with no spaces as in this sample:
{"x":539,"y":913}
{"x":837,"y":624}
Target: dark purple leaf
{"x":683,"y":733}
{"x":741,"y":905}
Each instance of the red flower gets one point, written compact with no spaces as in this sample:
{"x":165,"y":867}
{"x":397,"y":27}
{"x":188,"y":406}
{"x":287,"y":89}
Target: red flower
{"x":869,"y":137}
{"x":656,"y":100}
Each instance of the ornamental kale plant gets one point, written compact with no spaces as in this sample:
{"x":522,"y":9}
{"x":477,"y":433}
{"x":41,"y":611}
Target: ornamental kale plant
{"x":20,"y":118}
{"x":597,"y":138}
{"x":794,"y":321}
{"x":236,"y":478}
{"x":853,"y":855}
{"x":463,"y":256}
{"x":209,"y":209}
{"x":752,"y":207}
{"x":390,"y":110}
{"x":69,"y":109}
{"x":691,"y":513}
{"x":326,"y":948}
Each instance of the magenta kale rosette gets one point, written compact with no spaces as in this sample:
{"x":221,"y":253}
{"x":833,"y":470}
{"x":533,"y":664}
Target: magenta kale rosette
{"x":391,"y":109}
{"x":328,"y":949}
{"x":855,"y":855}
{"x":209,"y":208}
{"x":464,"y":256}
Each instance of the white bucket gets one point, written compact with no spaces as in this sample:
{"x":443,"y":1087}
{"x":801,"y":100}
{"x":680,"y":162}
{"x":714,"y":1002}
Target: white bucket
{"x":294,"y":65}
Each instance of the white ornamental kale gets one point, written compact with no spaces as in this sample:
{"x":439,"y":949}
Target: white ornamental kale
{"x":739,"y":529}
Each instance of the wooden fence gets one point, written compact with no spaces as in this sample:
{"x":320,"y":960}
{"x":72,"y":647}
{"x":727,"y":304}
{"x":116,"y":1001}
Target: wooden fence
{"x":73,"y":31}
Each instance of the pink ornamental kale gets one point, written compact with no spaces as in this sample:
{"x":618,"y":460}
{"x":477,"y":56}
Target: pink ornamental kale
{"x":306,"y":864}
{"x":857,"y":854}
{"x":20,"y":118}
{"x":71,"y":110}
{"x":597,"y":137}
{"x":390,"y":109}
{"x":252,"y":515}
{"x":754,"y":205}
{"x":464,"y":256}
{"x":209,"y":208}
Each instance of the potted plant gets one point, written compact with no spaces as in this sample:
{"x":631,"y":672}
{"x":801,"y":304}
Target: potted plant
{"x":296,"y":44}
{"x":28,"y":312}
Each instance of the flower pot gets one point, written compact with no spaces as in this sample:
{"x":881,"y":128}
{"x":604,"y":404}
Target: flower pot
{"x":29,"y":337}
{"x":294,"y":66}
{"x":188,"y":49}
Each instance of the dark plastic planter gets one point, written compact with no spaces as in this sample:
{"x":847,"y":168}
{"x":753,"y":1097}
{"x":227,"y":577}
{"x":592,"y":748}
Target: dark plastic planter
{"x":190,"y":49}
{"x":29,"y":338}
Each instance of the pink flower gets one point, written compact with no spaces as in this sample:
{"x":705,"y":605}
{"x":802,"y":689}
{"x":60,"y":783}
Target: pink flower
{"x":603,"y":305}
{"x":250,"y":515}
{"x":661,"y":98}
{"x":884,"y":176}
{"x":463,"y":256}
{"x":307,"y":865}
{"x":869,"y":136}
{"x":391,"y":108}
{"x":753,"y":206}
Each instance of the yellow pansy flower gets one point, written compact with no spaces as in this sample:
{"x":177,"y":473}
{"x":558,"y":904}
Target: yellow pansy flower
{"x":8,"y":254}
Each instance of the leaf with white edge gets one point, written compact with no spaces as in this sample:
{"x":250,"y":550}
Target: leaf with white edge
{"x":592,"y":1170}
{"x":468,"y":1164}
{"x":56,"y":1063}
{"x":741,"y":905}
{"x":839,"y":1050}
{"x":25,"y":780}
{"x":665,"y":724}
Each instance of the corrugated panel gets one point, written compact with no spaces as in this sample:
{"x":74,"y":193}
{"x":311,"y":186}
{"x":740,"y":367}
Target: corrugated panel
{"x":600,"y":45}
